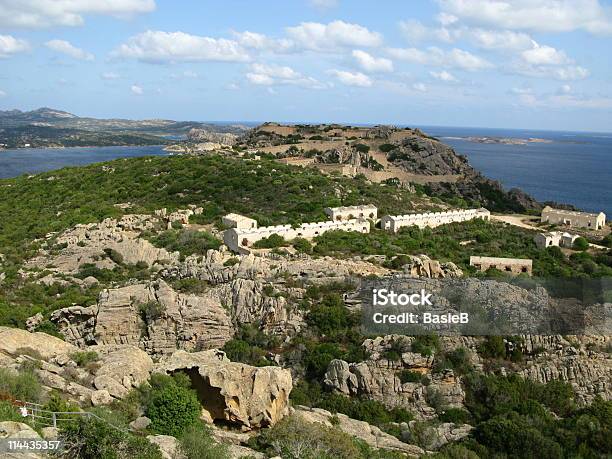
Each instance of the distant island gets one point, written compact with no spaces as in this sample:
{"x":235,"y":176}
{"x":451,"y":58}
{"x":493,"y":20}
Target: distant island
{"x":505,"y":140}
{"x":52,"y":128}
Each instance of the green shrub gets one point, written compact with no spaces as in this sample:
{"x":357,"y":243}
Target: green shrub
{"x":172,"y":409}
{"x":83,"y":358}
{"x":387,"y":147}
{"x":581,"y":244}
{"x":293,"y":438}
{"x":114,"y":256}
{"x":493,"y":347}
{"x":406,"y":376}
{"x":186,"y":241}
{"x":23,"y":385}
{"x":455,"y":415}
{"x":151,"y":311}
{"x":8,"y":412}
{"x":197,"y":443}
{"x":302,"y":245}
{"x":97,"y":439}
{"x":425,"y":345}
{"x":271,"y":242}
{"x":362,"y":148}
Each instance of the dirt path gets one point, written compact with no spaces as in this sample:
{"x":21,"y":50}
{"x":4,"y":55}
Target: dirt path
{"x":515,"y":220}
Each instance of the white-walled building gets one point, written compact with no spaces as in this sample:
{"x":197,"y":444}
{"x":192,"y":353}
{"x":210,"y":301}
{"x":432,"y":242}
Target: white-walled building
{"x":239,"y":240}
{"x":573,"y":218}
{"x":555,"y":239}
{"x":508,"y":265}
{"x":239,"y":221}
{"x":393,"y":223}
{"x":352,"y":212}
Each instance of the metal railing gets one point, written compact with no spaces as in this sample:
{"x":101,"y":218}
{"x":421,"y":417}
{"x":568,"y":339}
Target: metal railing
{"x":47,"y":418}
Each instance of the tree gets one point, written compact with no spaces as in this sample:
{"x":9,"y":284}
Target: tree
{"x":172,"y":409}
{"x":581,"y":244}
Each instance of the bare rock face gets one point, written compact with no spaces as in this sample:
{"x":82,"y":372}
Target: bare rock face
{"x":177,"y":321}
{"x":86,"y":243}
{"x":121,"y":368}
{"x":372,"y":435}
{"x":10,"y":430}
{"x":436,"y":436}
{"x":241,"y":394}
{"x":14,"y":339}
{"x":168,"y":445}
{"x":378,"y":378}
{"x":423,"y":266}
{"x":582,"y":361}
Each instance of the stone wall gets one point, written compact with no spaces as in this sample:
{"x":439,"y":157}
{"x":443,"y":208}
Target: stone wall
{"x":393,"y":223}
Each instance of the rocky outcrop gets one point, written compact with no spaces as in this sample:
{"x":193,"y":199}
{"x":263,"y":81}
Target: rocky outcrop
{"x":168,"y":446}
{"x":91,"y":243}
{"x":202,"y":135}
{"x":423,"y":266}
{"x":174,"y":321}
{"x":247,"y":396}
{"x":10,"y":430}
{"x":370,"y":434}
{"x":433,"y":437}
{"x":14,"y":341}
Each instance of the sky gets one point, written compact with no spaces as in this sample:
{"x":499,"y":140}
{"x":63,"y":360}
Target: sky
{"x":537,"y":64}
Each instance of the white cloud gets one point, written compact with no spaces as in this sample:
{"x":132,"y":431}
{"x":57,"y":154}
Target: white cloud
{"x":434,"y":56}
{"x":370,"y":63}
{"x":268,"y":75}
{"x":110,"y":76}
{"x":67,"y":48}
{"x":497,"y":39}
{"x":544,"y":55}
{"x":137,"y":90}
{"x":446,"y":19}
{"x":444,"y":76}
{"x":45,"y":13}
{"x":537,"y":15}
{"x":261,"y":42}
{"x":419,"y":87}
{"x":328,"y":37}
{"x":352,"y":79}
{"x":232,"y":87}
{"x":564,"y":73}
{"x":565,"y":89}
{"x":2,"y":93}
{"x":163,"y":47}
{"x":10,"y":45}
{"x":415,"y":32}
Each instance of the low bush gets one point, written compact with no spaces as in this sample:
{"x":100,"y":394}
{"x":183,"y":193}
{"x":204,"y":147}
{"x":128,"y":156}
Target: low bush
{"x":95,"y":439}
{"x":197,"y":443}
{"x":83,"y":358}
{"x":172,"y":409}
{"x":22,"y":385}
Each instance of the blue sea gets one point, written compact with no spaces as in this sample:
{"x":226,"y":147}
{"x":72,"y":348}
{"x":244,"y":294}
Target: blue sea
{"x":574,"y":168}
{"x":33,"y":160}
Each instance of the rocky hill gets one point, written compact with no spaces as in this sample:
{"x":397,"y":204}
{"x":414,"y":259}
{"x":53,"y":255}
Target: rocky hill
{"x":407,"y":154}
{"x":119,"y":302}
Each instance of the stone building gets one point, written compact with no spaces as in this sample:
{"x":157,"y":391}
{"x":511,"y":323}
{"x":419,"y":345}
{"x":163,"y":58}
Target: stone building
{"x":573,"y":218}
{"x":239,"y":240}
{"x":393,"y":223}
{"x":239,"y":221}
{"x":351,"y":212}
{"x":508,"y":265}
{"x":555,"y":239}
